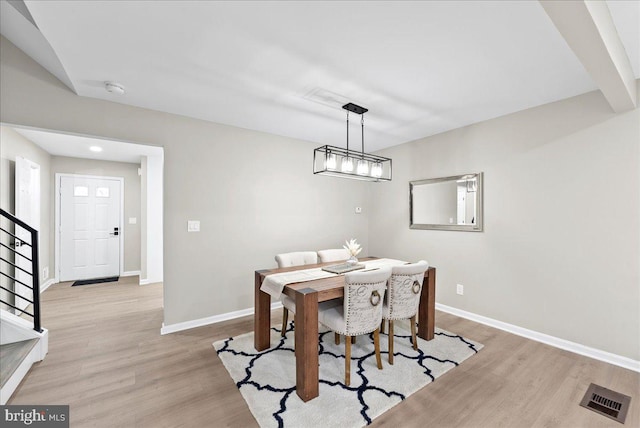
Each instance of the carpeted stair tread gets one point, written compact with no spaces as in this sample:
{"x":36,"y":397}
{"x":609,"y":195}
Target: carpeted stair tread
{"x":12,"y":355}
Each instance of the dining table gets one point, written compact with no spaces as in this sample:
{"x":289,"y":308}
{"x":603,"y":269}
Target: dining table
{"x":307,"y":295}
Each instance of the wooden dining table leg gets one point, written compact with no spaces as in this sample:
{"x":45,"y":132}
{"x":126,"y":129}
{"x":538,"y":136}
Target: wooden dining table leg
{"x":427,"y":309}
{"x":306,"y":334}
{"x":262,"y":316}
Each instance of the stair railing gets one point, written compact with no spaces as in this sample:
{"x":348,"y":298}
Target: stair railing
{"x":33,"y":273}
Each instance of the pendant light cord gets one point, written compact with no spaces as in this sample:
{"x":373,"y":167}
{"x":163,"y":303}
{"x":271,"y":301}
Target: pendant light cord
{"x":347,"y":132}
{"x":362,"y":124}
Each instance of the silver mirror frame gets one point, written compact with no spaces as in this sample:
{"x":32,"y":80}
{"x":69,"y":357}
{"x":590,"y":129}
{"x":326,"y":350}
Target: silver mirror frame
{"x":477,"y":227}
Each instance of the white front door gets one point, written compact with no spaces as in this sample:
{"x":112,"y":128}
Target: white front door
{"x":27,"y":199}
{"x":90,"y":229}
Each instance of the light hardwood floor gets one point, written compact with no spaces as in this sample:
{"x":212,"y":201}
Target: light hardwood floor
{"x":108,"y":361}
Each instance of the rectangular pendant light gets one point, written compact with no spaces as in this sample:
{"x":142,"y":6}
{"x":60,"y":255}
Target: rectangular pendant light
{"x":346,"y":163}
{"x":334,"y":161}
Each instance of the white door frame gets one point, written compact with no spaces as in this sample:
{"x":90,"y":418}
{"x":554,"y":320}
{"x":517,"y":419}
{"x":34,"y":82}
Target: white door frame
{"x":57,"y":217}
{"x":33,"y":219}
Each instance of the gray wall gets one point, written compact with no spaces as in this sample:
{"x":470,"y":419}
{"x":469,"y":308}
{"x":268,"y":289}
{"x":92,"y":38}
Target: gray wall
{"x":254,"y":193}
{"x":128,"y":171}
{"x":560,"y":249}
{"x":13,"y":144}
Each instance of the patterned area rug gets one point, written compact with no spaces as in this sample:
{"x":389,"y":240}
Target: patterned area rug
{"x":267,"y":379}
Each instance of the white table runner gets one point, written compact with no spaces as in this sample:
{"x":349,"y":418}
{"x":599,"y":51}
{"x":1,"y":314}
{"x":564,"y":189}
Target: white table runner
{"x":274,"y":284}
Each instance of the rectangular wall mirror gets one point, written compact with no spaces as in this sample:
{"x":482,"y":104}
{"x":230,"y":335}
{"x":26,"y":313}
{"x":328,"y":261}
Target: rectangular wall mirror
{"x":446,"y":203}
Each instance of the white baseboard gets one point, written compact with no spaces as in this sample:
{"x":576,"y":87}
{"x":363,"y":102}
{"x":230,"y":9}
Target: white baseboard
{"x":172,"y":328}
{"x":48,"y":284}
{"x":607,"y":357}
{"x":130,"y":273}
{"x":148,"y":281}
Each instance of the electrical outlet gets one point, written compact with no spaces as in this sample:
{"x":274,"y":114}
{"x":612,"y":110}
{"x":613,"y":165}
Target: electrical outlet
{"x":45,"y":272}
{"x":460,"y":289}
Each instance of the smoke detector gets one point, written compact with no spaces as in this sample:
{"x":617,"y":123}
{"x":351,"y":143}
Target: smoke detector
{"x":114,"y":88}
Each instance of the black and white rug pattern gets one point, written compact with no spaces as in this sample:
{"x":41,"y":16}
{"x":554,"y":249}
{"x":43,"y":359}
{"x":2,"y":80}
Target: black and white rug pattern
{"x":267,"y":379}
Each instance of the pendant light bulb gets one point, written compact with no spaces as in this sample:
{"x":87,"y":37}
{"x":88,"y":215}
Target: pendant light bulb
{"x":347,"y":164}
{"x":331,"y":162}
{"x":363,"y":167}
{"x":376,"y":170}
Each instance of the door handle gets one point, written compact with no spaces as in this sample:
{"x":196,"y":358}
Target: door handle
{"x":17,"y":243}
{"x":115,"y":232}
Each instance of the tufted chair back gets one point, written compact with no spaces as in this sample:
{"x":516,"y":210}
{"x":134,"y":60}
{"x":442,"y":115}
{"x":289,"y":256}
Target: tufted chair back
{"x":403,"y":299}
{"x":363,"y":300}
{"x":333,"y":255}
{"x":360,"y":313}
{"x":297,"y":258}
{"x":403,"y":292}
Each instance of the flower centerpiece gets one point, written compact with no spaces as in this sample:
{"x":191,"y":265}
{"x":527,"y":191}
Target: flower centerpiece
{"x":354,"y":249}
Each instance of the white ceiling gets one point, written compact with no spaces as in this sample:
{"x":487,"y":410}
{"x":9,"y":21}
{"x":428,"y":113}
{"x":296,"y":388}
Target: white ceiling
{"x":286,"y":67}
{"x":78,"y":147}
{"x":626,"y":17}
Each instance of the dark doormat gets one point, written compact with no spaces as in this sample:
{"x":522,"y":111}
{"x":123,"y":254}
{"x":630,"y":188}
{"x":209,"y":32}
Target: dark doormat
{"x":608,"y":403}
{"x":96,"y":281}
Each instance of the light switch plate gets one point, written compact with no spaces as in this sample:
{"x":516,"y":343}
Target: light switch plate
{"x":358,"y":210}
{"x":193,"y":226}
{"x":133,"y":220}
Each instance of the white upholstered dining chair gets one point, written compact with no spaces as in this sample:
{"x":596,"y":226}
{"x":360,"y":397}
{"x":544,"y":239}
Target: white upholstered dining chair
{"x":360,"y":313}
{"x":333,"y":255}
{"x":403,"y":298}
{"x":298,"y":258}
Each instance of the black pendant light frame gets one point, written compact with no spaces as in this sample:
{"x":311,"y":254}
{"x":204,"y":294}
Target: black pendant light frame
{"x":327,"y":159}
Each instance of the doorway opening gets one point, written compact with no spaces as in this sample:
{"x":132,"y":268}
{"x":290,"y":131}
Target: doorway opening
{"x":139,"y":242}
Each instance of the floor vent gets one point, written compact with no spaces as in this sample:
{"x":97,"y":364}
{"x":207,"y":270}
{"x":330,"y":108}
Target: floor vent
{"x":606,"y":402}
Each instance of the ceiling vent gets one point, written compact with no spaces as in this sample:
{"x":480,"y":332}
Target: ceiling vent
{"x":326,"y":97}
